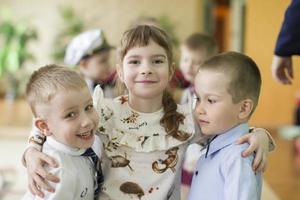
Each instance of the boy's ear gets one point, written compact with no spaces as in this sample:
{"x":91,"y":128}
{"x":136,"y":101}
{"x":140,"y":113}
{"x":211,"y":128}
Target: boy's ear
{"x":83,"y":63}
{"x":120,"y":72}
{"x":43,"y":126}
{"x":245,"y":109}
{"x":172,"y":69}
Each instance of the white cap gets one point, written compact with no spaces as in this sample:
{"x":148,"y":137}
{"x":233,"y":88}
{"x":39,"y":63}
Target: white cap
{"x":84,"y":44}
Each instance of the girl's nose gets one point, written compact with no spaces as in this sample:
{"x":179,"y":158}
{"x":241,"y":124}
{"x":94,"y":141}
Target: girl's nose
{"x":146,"y":73}
{"x":146,"y":68}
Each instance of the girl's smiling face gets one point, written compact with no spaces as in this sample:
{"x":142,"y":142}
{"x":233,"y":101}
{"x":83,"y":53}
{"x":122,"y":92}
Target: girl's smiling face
{"x":146,"y":71}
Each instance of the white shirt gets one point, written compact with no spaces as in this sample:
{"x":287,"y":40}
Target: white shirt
{"x":76,"y":173}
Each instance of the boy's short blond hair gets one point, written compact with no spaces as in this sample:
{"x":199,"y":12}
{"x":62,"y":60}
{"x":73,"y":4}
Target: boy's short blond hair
{"x":45,"y":82}
{"x":242,"y":72}
{"x":199,"y":41}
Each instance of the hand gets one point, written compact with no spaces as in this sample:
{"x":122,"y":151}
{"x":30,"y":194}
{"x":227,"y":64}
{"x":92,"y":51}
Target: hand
{"x":259,"y":143}
{"x":37,"y":175}
{"x":282,"y":69}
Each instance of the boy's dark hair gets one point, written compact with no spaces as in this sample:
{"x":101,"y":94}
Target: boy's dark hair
{"x":243,"y":73}
{"x":198,"y":41}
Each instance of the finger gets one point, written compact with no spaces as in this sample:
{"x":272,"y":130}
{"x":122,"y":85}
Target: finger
{"x":249,"y":150}
{"x":52,"y":178}
{"x":290,"y":72}
{"x":257,"y":160}
{"x":243,"y":139}
{"x":40,"y":171}
{"x":45,"y":175}
{"x":49,"y":160}
{"x":281,"y":76}
{"x":31,"y":190}
{"x":34,"y":189}
{"x":261,"y":165}
{"x":40,"y":182}
{"x":265,"y":166}
{"x":286,"y":81}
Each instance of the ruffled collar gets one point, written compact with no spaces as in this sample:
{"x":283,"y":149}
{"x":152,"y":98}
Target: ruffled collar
{"x":123,"y":125}
{"x":143,"y":132}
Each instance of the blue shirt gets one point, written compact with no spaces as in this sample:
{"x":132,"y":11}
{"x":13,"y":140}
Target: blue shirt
{"x":223,"y":174}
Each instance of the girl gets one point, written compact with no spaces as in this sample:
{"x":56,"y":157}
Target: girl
{"x":145,"y":133}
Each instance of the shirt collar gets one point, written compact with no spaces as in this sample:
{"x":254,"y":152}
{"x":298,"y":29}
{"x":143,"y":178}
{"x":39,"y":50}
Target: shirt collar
{"x":64,"y":148}
{"x":90,"y":84}
{"x":227,"y":138}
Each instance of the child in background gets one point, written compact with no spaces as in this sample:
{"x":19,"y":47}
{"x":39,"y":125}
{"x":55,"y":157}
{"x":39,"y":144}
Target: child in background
{"x":91,"y":52}
{"x":145,"y":133}
{"x":227,"y":87}
{"x":63,"y":109}
{"x":194,"y":51}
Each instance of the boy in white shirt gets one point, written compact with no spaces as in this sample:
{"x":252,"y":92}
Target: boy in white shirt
{"x":63,"y":109}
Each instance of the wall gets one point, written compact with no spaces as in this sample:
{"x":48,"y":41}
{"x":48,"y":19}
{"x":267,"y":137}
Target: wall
{"x":263,"y":20}
{"x":113,"y":16}
{"x":277,"y":102}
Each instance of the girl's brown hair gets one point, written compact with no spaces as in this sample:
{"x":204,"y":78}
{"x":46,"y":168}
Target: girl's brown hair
{"x":141,"y":36}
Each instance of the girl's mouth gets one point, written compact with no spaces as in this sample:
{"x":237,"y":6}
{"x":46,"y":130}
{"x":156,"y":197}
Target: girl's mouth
{"x":146,"y":81}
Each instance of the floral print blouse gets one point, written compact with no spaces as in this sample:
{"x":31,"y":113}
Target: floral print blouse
{"x":139,"y":160}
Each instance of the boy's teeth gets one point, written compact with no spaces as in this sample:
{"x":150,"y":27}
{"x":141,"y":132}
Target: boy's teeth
{"x":85,"y":134}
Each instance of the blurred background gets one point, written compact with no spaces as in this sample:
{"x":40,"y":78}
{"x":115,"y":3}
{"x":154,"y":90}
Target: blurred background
{"x":34,"y":33}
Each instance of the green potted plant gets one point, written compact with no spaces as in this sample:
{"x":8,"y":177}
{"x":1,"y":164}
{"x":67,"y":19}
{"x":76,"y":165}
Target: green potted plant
{"x":14,"y":39}
{"x":71,"y":26}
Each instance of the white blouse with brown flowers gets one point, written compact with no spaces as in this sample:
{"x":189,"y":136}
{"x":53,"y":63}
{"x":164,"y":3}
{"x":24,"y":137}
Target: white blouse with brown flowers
{"x":139,"y":160}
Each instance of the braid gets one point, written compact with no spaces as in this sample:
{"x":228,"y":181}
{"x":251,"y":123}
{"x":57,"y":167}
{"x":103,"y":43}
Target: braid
{"x":172,"y":119}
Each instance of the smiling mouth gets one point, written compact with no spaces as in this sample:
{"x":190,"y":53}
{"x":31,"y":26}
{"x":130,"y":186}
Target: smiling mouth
{"x":146,"y":81}
{"x":86,"y":135}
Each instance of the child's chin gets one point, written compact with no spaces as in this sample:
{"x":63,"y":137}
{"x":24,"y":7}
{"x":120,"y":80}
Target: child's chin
{"x":205,"y":132}
{"x":87,"y":144}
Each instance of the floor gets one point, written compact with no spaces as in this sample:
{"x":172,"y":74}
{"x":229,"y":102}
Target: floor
{"x":13,"y":179}
{"x":283,"y":172}
{"x":282,"y":178}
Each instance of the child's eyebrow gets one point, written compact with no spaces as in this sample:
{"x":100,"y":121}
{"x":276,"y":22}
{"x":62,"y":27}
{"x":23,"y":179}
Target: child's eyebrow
{"x":159,"y":55}
{"x":134,"y":56}
{"x":90,"y":100}
{"x":69,"y":109}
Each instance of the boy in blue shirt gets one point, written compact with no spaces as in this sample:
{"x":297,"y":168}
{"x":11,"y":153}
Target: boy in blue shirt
{"x":227,"y":87}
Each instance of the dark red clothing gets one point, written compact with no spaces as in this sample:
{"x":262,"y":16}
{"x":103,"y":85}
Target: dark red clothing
{"x":178,"y":80}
